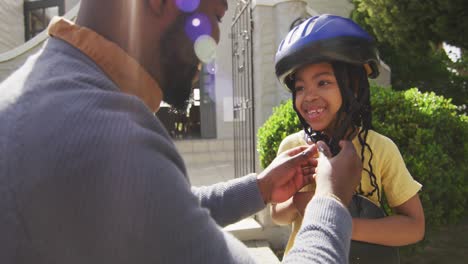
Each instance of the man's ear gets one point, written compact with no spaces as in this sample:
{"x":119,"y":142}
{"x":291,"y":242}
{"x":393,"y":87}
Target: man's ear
{"x":162,"y":8}
{"x":157,"y":6}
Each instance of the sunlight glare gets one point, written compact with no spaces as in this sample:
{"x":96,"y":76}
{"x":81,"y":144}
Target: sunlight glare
{"x":188,"y":5}
{"x":196,"y":22}
{"x":205,"y":48}
{"x":454,"y":53}
{"x":197,"y":25}
{"x":211,"y":67}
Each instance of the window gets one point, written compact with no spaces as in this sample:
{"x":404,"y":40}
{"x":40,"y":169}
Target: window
{"x":37,"y":15}
{"x":182,"y":124}
{"x":198,"y":120}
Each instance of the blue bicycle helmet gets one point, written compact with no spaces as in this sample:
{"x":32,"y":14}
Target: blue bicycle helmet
{"x":352,"y":53}
{"x":326,"y":38}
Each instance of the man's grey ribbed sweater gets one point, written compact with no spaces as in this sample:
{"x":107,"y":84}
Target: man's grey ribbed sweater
{"x":89,"y":175}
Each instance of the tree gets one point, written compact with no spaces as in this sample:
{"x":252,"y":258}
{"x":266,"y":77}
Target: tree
{"x":413,"y":23}
{"x":410,"y":34}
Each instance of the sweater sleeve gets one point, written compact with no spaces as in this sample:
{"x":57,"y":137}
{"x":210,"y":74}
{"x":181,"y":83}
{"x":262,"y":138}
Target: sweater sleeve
{"x":114,"y":191}
{"x":231,"y":201}
{"x":325,"y":234}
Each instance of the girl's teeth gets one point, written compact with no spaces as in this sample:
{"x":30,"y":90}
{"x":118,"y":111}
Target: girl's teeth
{"x":315,"y":111}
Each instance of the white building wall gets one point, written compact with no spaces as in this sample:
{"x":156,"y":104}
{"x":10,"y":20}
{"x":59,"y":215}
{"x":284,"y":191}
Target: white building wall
{"x":12,"y":58}
{"x":336,"y":7}
{"x":69,"y":4}
{"x":223,"y":79}
{"x":12,"y":25}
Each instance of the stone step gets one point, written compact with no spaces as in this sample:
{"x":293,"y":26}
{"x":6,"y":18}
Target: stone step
{"x":246,"y":229}
{"x":250,"y":232}
{"x":261,"y":251}
{"x":205,"y":158}
{"x":204,"y":145}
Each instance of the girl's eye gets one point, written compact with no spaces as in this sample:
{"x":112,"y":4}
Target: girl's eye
{"x":219,"y":19}
{"x":323,"y":83}
{"x":298,"y":88}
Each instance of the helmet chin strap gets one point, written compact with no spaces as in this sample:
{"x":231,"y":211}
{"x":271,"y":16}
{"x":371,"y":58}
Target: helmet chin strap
{"x":314,"y":136}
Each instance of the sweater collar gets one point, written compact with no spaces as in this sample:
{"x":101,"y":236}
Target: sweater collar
{"x":120,"y":67}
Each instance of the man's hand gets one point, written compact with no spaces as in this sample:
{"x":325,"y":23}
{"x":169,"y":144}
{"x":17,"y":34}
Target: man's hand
{"x":287,"y":174}
{"x":301,"y":199}
{"x":338,"y":176}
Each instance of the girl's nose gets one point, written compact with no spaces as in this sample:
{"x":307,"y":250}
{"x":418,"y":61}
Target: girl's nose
{"x":310,"y":93}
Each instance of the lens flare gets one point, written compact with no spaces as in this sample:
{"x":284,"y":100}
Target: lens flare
{"x":205,"y":48}
{"x":196,"y":22}
{"x":197,"y":25}
{"x":188,"y":5}
{"x":211,"y":67}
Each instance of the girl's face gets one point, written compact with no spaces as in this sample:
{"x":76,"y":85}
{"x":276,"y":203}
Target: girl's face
{"x":318,"y":96}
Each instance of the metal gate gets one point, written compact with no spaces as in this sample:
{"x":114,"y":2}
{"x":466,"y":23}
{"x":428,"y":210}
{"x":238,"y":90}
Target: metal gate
{"x":243,"y":96}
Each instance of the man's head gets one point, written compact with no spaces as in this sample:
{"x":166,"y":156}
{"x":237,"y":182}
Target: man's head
{"x":198,"y":20}
{"x":161,"y":35}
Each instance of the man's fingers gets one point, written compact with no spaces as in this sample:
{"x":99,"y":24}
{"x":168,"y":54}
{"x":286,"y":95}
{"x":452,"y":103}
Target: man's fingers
{"x":346,"y":145}
{"x":305,"y":155}
{"x":348,"y":149}
{"x":297,"y":150}
{"x":309,"y":178}
{"x":324,"y":149}
{"x":306,"y":170}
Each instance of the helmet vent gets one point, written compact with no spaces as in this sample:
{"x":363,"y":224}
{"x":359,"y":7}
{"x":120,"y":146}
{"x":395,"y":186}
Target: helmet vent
{"x":294,"y":35}
{"x":281,"y":45}
{"x":310,"y":25}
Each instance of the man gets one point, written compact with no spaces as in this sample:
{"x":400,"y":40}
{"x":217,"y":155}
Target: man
{"x":88,"y":174}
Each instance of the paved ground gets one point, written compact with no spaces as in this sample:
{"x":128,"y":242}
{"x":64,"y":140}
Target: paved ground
{"x":209,"y":173}
{"x":447,"y":245}
{"x":261,"y":251}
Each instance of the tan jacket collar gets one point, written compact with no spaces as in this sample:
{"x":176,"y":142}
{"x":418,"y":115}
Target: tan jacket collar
{"x":122,"y":69}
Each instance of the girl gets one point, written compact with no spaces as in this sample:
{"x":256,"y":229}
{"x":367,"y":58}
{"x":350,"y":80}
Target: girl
{"x":325,"y":62}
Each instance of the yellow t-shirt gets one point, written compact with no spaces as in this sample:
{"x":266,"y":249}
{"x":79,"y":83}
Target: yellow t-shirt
{"x":387,"y":164}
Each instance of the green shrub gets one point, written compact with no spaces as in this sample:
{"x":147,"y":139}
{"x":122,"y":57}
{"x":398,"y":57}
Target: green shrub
{"x":280,"y":124}
{"x":431,"y":136}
